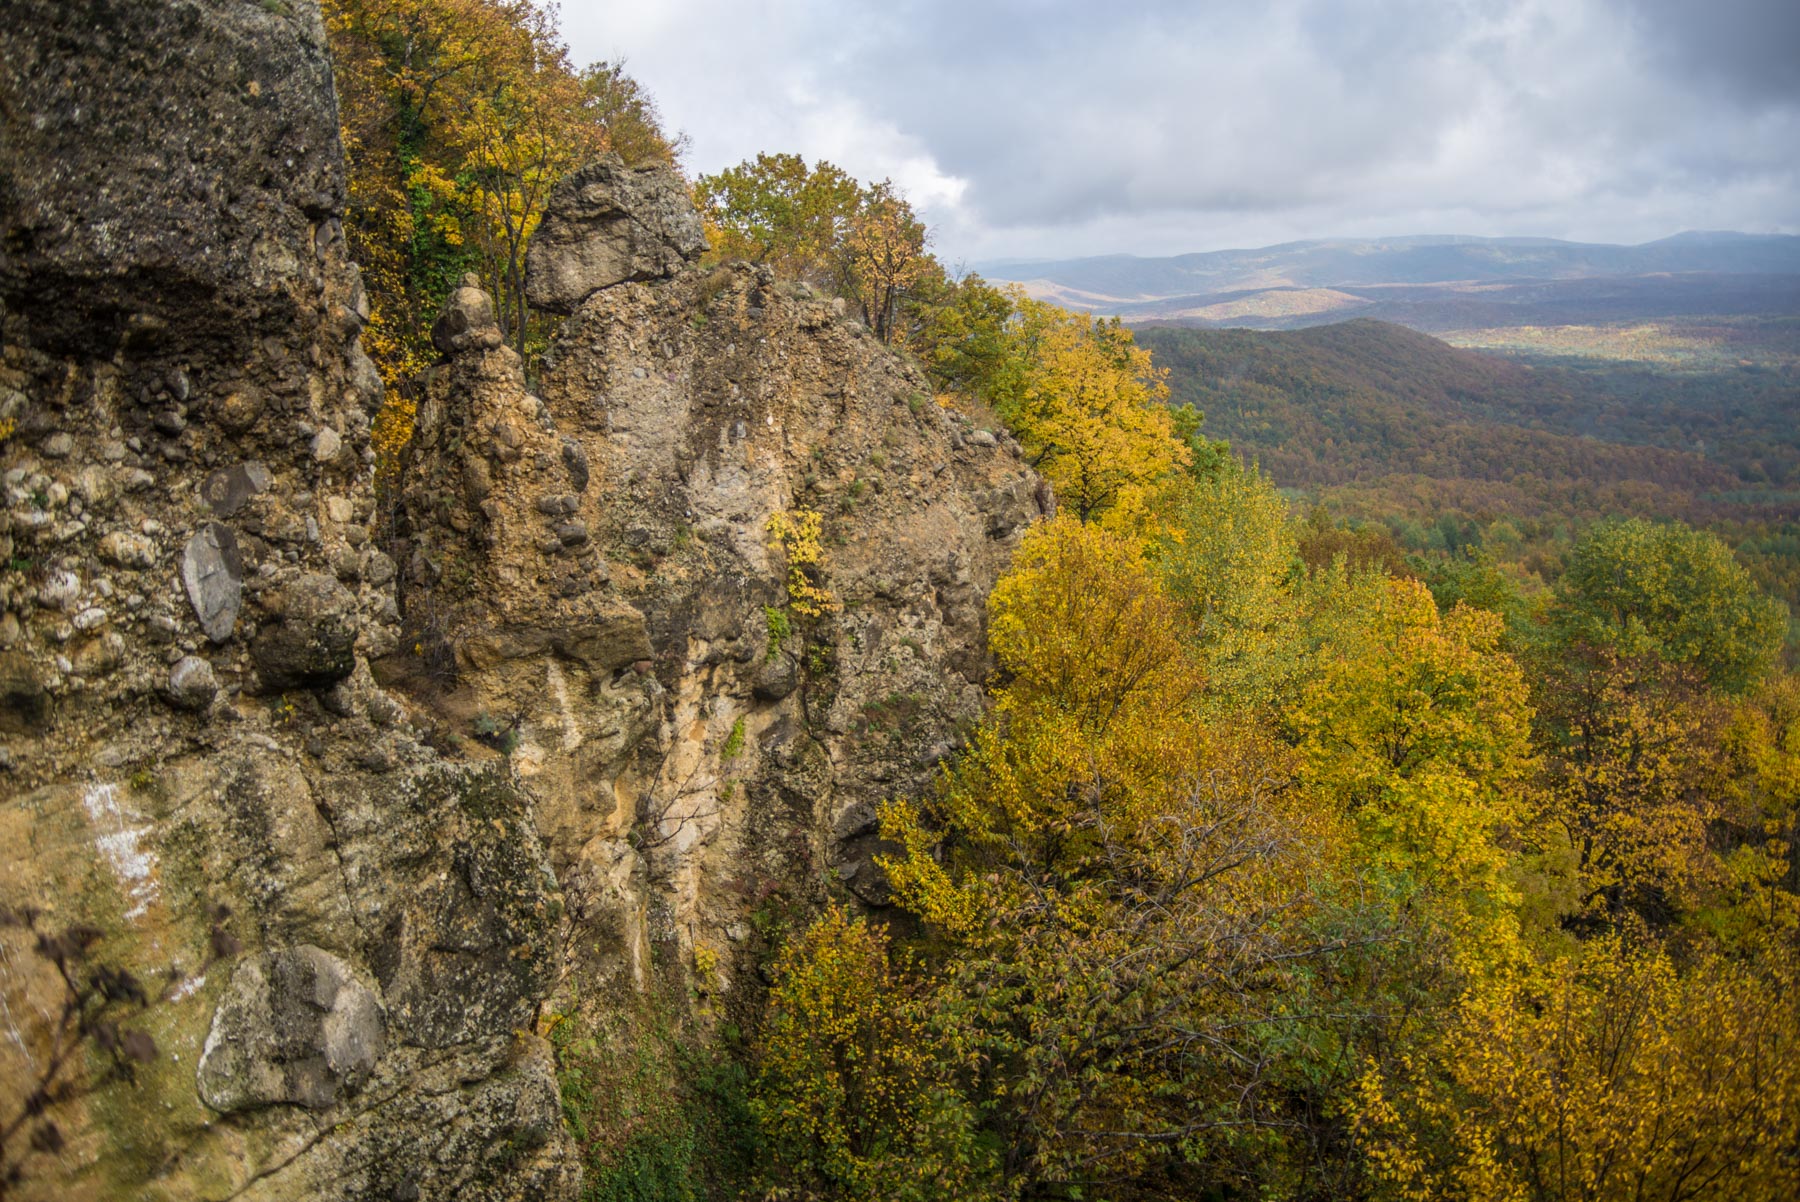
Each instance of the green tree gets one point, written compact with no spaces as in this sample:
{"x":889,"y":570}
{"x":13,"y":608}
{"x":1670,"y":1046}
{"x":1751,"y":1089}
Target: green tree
{"x":1667,"y":589}
{"x":775,"y":209}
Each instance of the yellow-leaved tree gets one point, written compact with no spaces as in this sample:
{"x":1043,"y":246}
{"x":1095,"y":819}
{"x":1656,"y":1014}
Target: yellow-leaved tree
{"x":1610,"y":1074}
{"x":856,"y":1089}
{"x":1416,"y":731}
{"x":1086,"y":403}
{"x":1120,"y":890}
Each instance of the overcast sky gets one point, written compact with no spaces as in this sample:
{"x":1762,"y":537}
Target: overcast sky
{"x":1039,"y":128}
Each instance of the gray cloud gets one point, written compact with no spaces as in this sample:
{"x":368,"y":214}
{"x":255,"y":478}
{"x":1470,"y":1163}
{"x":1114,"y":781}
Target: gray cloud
{"x":1045,"y":127}
{"x":1748,"y":49}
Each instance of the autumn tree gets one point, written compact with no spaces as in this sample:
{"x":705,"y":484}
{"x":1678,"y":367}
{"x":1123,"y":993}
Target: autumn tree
{"x":459,"y":116}
{"x":883,"y":259}
{"x":1416,"y":731}
{"x":856,"y":1090}
{"x":1611,"y":1074}
{"x":1634,"y":773}
{"x":1759,"y":835}
{"x":1121,"y":888}
{"x":1085,"y":402}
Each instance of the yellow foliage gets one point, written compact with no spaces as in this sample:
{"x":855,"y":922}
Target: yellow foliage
{"x":1637,"y":782}
{"x":854,"y":1087}
{"x":798,"y":534}
{"x":1417,"y":733}
{"x":1611,"y":1075}
{"x":1120,"y":885}
{"x":1085,"y":401}
{"x":1763,"y":745}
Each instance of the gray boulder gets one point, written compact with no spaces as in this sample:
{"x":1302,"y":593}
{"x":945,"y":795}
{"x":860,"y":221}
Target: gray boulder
{"x":295,"y":1026}
{"x":192,"y":684}
{"x":212,"y":570}
{"x":314,"y":643}
{"x":467,"y":322}
{"x":186,"y":198}
{"x":607,"y":224}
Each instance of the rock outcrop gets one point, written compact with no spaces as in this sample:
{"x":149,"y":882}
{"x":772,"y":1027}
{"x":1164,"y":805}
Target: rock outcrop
{"x":644,"y":644}
{"x":189,"y":599}
{"x":608,"y":224}
{"x":592,"y":566}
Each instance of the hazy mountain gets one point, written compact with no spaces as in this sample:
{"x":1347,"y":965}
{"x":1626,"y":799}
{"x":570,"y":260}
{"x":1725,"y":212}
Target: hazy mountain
{"x":1430,"y":282}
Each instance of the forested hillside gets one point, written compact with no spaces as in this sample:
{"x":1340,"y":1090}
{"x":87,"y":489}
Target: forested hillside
{"x":712,"y":704}
{"x":1454,"y":450}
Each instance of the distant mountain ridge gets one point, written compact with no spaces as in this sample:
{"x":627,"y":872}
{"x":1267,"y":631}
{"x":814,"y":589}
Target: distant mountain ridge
{"x":1303,"y":283}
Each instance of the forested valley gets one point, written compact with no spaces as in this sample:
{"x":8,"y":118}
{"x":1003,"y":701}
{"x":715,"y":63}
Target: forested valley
{"x":1446,"y":852}
{"x":1387,"y":779}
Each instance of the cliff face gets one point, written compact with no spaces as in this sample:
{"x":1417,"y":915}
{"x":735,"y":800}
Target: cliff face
{"x":191,"y":595}
{"x":592,"y":569}
{"x":352,"y":799}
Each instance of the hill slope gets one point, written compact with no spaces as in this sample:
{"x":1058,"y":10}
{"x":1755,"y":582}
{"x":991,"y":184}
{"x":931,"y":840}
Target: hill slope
{"x":1390,"y":424}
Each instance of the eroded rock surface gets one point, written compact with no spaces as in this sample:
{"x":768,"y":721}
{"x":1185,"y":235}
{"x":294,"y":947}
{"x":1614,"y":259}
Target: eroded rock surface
{"x":554,"y":731}
{"x":594,"y":564}
{"x":189,"y":598}
{"x":606,"y":224}
{"x":294,"y":1025}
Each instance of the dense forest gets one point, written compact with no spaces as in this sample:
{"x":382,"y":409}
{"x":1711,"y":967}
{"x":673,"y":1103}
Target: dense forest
{"x":1447,"y":855}
{"x":1458,"y":454}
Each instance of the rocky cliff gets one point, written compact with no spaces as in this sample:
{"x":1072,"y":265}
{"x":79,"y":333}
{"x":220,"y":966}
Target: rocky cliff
{"x":593,"y":568}
{"x":351,"y":800}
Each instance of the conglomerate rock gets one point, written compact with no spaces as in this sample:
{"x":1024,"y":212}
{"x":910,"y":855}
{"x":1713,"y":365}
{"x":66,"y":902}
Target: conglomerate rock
{"x":189,"y":595}
{"x":593,"y":563}
{"x":607,"y":224}
{"x":357,"y":798}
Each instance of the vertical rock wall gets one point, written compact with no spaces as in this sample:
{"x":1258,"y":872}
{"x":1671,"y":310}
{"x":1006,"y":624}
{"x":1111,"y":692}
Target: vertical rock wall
{"x":343,"y":939}
{"x":352,"y":808}
{"x":590,"y":566}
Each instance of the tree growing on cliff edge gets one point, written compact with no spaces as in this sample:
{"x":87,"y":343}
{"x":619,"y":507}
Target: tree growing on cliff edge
{"x":819,"y":224}
{"x":459,"y":116}
{"x":1086,"y":402}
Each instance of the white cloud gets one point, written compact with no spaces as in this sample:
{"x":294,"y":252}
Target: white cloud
{"x":1039,"y":127}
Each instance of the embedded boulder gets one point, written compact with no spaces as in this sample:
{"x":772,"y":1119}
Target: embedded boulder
{"x":468,"y":321}
{"x":295,"y":1026}
{"x":608,"y":224}
{"x":212,"y":569}
{"x":314,"y":642}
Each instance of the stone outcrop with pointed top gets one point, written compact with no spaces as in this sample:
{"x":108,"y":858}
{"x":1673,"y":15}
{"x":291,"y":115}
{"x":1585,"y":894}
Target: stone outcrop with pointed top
{"x":343,"y":936}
